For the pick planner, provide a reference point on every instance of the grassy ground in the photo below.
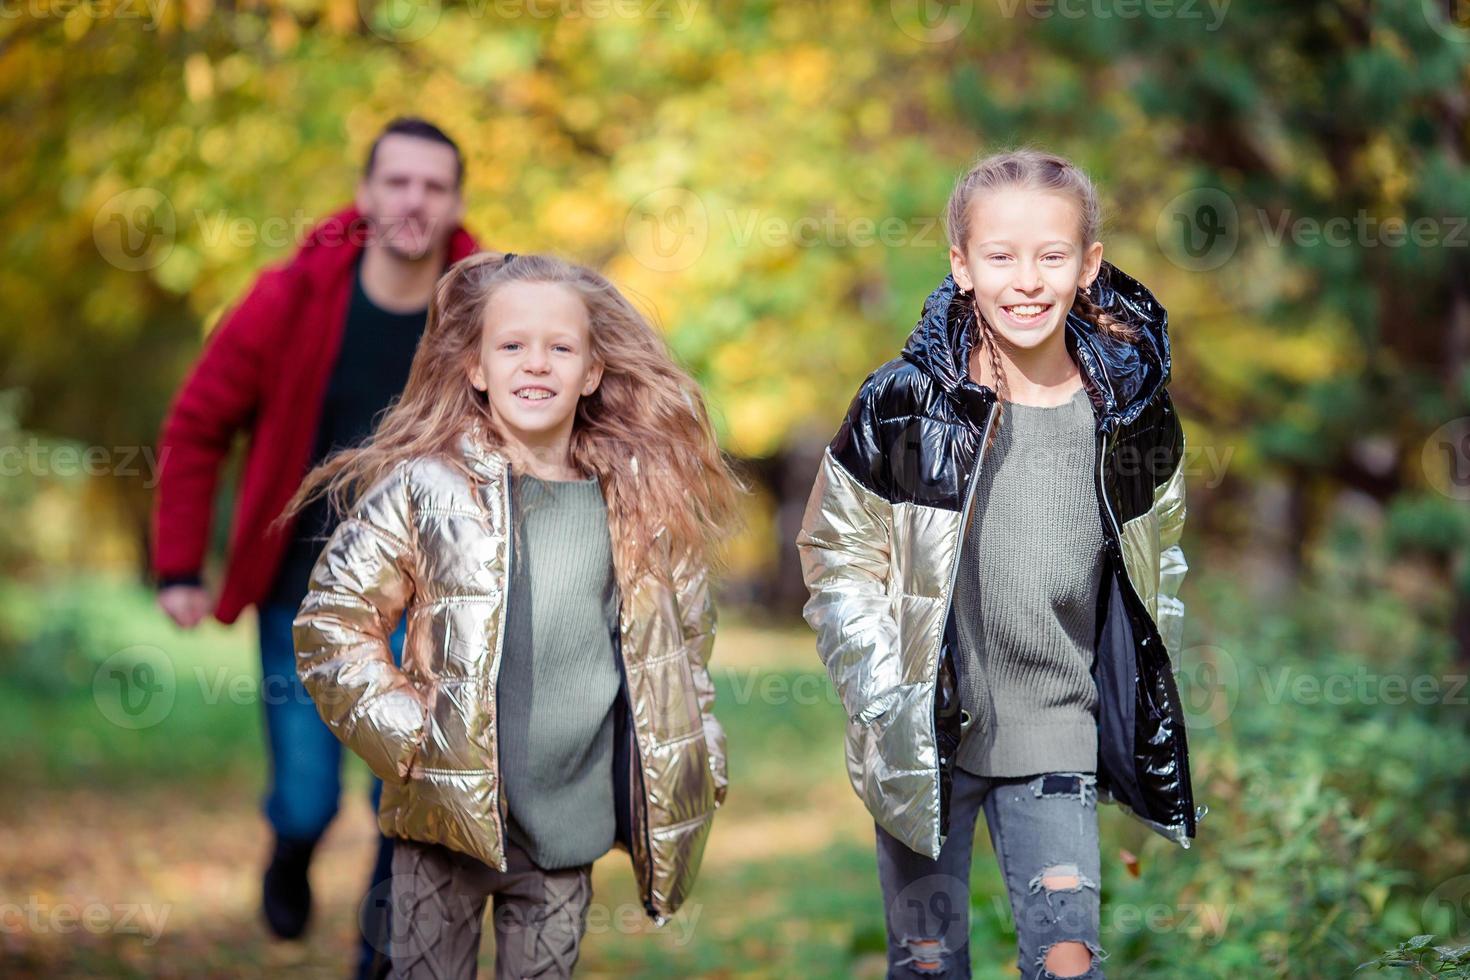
(134, 842)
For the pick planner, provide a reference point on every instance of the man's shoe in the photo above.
(286, 890)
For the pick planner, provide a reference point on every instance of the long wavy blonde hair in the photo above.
(1028, 168)
(645, 433)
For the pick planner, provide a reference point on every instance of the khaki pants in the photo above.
(439, 898)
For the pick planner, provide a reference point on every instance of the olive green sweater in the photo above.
(559, 679)
(1026, 596)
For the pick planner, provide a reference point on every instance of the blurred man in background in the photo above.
(318, 347)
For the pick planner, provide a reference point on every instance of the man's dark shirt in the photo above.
(371, 370)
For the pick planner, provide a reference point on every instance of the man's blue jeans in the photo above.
(306, 766)
(305, 757)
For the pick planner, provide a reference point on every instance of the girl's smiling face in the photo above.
(536, 362)
(1024, 262)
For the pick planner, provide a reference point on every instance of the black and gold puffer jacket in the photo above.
(433, 545)
(880, 546)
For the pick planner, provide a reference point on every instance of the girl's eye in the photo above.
(563, 347)
(509, 346)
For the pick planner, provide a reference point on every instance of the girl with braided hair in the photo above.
(992, 550)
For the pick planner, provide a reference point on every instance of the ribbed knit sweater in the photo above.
(1026, 596)
(559, 679)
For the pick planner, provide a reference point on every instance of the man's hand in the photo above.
(186, 605)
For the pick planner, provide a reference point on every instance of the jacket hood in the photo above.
(1124, 377)
(335, 242)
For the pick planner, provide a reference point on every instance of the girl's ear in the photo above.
(477, 377)
(594, 378)
(1091, 264)
(960, 270)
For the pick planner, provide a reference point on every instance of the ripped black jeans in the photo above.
(1044, 831)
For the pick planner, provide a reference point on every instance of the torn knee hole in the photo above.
(925, 955)
(1061, 878)
(1068, 958)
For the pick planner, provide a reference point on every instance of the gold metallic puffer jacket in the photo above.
(880, 544)
(429, 544)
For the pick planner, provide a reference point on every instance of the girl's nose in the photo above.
(1028, 279)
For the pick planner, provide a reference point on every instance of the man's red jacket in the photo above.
(265, 368)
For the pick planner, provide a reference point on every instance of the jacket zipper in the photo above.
(500, 663)
(954, 567)
(1103, 448)
(1102, 451)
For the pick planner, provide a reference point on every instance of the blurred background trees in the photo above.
(767, 180)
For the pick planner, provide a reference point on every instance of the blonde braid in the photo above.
(986, 334)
